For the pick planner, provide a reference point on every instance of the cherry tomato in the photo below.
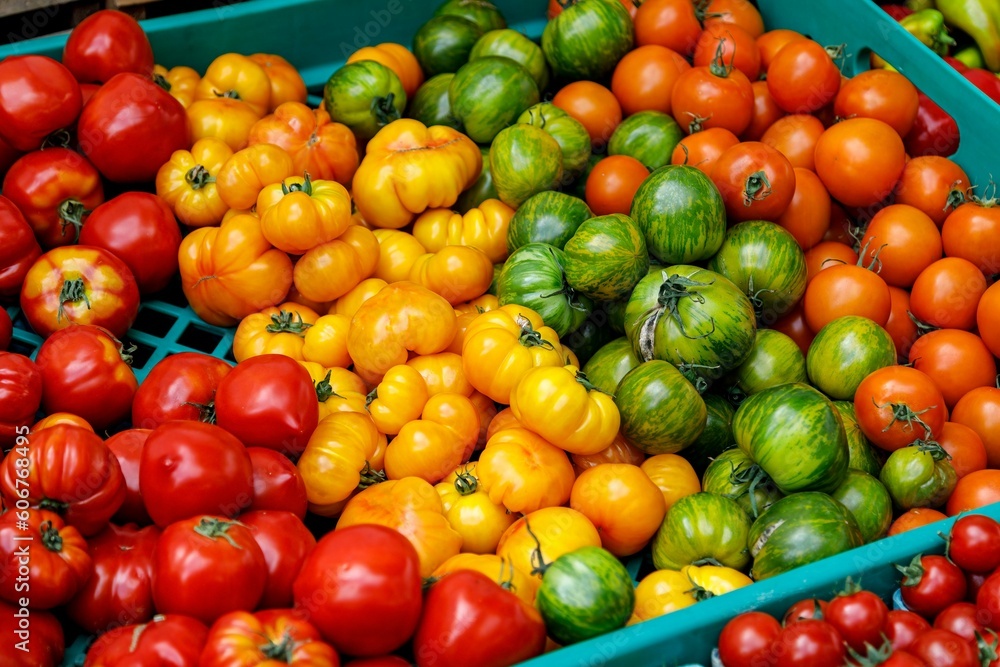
(964, 446)
(808, 643)
(20, 396)
(826, 255)
(670, 23)
(756, 182)
(846, 289)
(806, 609)
(181, 386)
(169, 640)
(972, 232)
(714, 96)
(594, 106)
(957, 361)
(859, 617)
(86, 372)
(902, 627)
(807, 216)
(361, 588)
(139, 228)
(975, 490)
(802, 77)
(795, 137)
(38, 97)
(902, 659)
(285, 542)
(703, 149)
(897, 405)
(18, 251)
(974, 543)
(127, 447)
(944, 649)
(915, 518)
(734, 45)
(765, 112)
(196, 562)
(980, 411)
(931, 584)
(747, 639)
(961, 619)
(612, 184)
(905, 240)
(860, 160)
(277, 484)
(644, 78)
(268, 401)
(190, 468)
(106, 43)
(880, 94)
(946, 294)
(935, 185)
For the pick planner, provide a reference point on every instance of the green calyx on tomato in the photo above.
(288, 322)
(72, 291)
(198, 177)
(214, 528)
(72, 212)
(51, 539)
(673, 289)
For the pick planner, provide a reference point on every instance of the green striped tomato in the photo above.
(512, 44)
(717, 436)
(606, 257)
(795, 434)
(800, 529)
(845, 352)
(587, 39)
(732, 474)
(590, 336)
(863, 456)
(868, 501)
(442, 45)
(608, 365)
(431, 104)
(661, 412)
(481, 12)
(488, 94)
(699, 526)
(547, 217)
(919, 475)
(648, 136)
(525, 161)
(583, 594)
(767, 263)
(533, 277)
(680, 211)
(774, 360)
(365, 96)
(569, 133)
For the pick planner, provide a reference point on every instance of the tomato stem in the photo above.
(913, 572)
(51, 539)
(214, 528)
(538, 564)
(903, 412)
(956, 197)
(466, 483)
(718, 67)
(57, 506)
(699, 381)
(72, 291)
(937, 452)
(324, 390)
(384, 110)
(305, 186)
(72, 212)
(756, 188)
(582, 378)
(288, 322)
(229, 94)
(58, 139)
(370, 477)
(529, 337)
(162, 82)
(198, 177)
(371, 397)
(697, 123)
(675, 288)
(283, 651)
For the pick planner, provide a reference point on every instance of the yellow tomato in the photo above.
(458, 273)
(554, 531)
(348, 304)
(619, 451)
(318, 306)
(398, 399)
(397, 251)
(334, 268)
(286, 82)
(479, 305)
(496, 568)
(487, 412)
(444, 437)
(251, 170)
(180, 81)
(277, 330)
(325, 341)
(470, 511)
(673, 475)
(187, 183)
(660, 593)
(298, 214)
(484, 228)
(708, 581)
(443, 373)
(221, 118)
(504, 419)
(235, 76)
(622, 502)
(524, 472)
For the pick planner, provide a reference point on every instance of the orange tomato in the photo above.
(703, 149)
(622, 502)
(917, 517)
(397, 58)
(827, 254)
(505, 419)
(612, 184)
(644, 78)
(975, 490)
(487, 410)
(980, 411)
(249, 171)
(349, 303)
(222, 118)
(934, 184)
(880, 94)
(443, 373)
(524, 472)
(765, 112)
(619, 451)
(756, 181)
(846, 289)
(807, 216)
(333, 269)
(972, 232)
(741, 13)
(803, 77)
(900, 327)
(905, 241)
(286, 82)
(946, 294)
(734, 45)
(772, 41)
(594, 106)
(957, 361)
(673, 475)
(433, 446)
(670, 23)
(713, 96)
(860, 160)
(456, 272)
(237, 77)
(496, 568)
(398, 251)
(795, 137)
(964, 446)
(988, 318)
(551, 532)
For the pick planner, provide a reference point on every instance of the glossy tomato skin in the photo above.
(38, 96)
(902, 627)
(958, 362)
(190, 468)
(470, 619)
(612, 184)
(975, 490)
(285, 542)
(931, 583)
(119, 592)
(934, 132)
(127, 112)
(962, 619)
(47, 643)
(19, 250)
(127, 447)
(241, 638)
(6, 329)
(361, 588)
(905, 387)
(944, 649)
(277, 484)
(59, 562)
(980, 411)
(746, 640)
(84, 373)
(974, 543)
(139, 228)
(20, 396)
(756, 181)
(106, 43)
(196, 563)
(169, 640)
(859, 618)
(268, 401)
(804, 610)
(181, 386)
(809, 643)
(802, 77)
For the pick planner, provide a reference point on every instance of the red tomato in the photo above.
(58, 564)
(957, 361)
(169, 640)
(670, 23)
(772, 41)
(470, 619)
(196, 563)
(57, 418)
(612, 183)
(860, 160)
(766, 112)
(988, 318)
(756, 182)
(793, 324)
(988, 601)
(181, 386)
(915, 518)
(106, 43)
(85, 372)
(746, 640)
(703, 149)
(735, 12)
(130, 127)
(38, 97)
(902, 627)
(594, 106)
(795, 137)
(190, 468)
(119, 592)
(974, 543)
(964, 446)
(826, 255)
(19, 250)
(808, 643)
(804, 610)
(713, 96)
(20, 396)
(846, 289)
(946, 294)
(6, 329)
(277, 484)
(380, 661)
(931, 584)
(880, 94)
(644, 78)
(41, 645)
(902, 659)
(975, 582)
(961, 619)
(897, 405)
(127, 447)
(902, 329)
(79, 285)
(980, 411)
(70, 471)
(140, 229)
(286, 543)
(941, 648)
(972, 232)
(807, 216)
(55, 189)
(935, 185)
(802, 77)
(361, 588)
(730, 43)
(268, 401)
(242, 638)
(859, 618)
(905, 240)
(8, 155)
(975, 490)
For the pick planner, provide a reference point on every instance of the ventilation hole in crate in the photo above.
(154, 322)
(141, 355)
(173, 294)
(199, 339)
